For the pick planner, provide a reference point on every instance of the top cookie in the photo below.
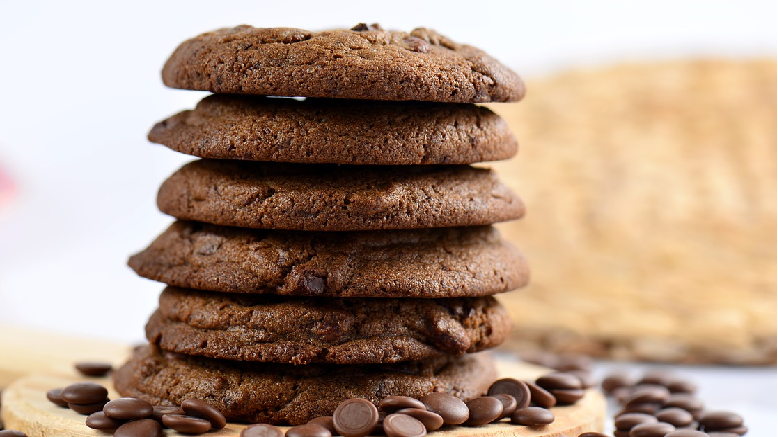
(365, 62)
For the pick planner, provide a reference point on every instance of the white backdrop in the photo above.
(81, 88)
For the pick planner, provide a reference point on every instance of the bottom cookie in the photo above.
(282, 393)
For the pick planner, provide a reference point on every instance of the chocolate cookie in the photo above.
(332, 131)
(302, 330)
(365, 62)
(429, 263)
(336, 198)
(284, 393)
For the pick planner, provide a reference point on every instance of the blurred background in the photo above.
(78, 179)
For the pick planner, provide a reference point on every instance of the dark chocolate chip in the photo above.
(263, 430)
(681, 386)
(390, 404)
(648, 394)
(540, 396)
(308, 430)
(568, 362)
(402, 425)
(325, 421)
(514, 387)
(431, 421)
(128, 409)
(87, 409)
(140, 428)
(567, 396)
(509, 404)
(720, 421)
(592, 434)
(651, 430)
(355, 417)
(532, 416)
(186, 424)
(559, 380)
(641, 408)
(204, 410)
(616, 380)
(99, 420)
(483, 410)
(449, 407)
(84, 393)
(625, 422)
(55, 396)
(161, 410)
(674, 416)
(93, 368)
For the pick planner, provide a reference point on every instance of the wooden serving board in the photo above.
(25, 408)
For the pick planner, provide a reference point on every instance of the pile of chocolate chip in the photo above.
(402, 416)
(661, 404)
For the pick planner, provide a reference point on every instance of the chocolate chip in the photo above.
(509, 404)
(93, 368)
(651, 430)
(656, 377)
(720, 421)
(449, 407)
(263, 430)
(355, 417)
(325, 421)
(483, 410)
(186, 424)
(87, 409)
(641, 408)
(390, 404)
(55, 396)
(567, 396)
(540, 358)
(308, 430)
(514, 387)
(622, 394)
(686, 433)
(681, 386)
(592, 434)
(140, 428)
(99, 420)
(161, 410)
(84, 393)
(540, 396)
(204, 410)
(739, 430)
(587, 380)
(532, 416)
(625, 422)
(619, 433)
(128, 409)
(648, 394)
(615, 381)
(431, 421)
(578, 362)
(402, 425)
(559, 380)
(684, 402)
(674, 416)
(12, 433)
(361, 27)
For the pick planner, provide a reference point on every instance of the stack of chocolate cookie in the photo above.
(333, 247)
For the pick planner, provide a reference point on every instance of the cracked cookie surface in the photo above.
(336, 131)
(365, 62)
(429, 263)
(336, 198)
(301, 330)
(284, 393)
